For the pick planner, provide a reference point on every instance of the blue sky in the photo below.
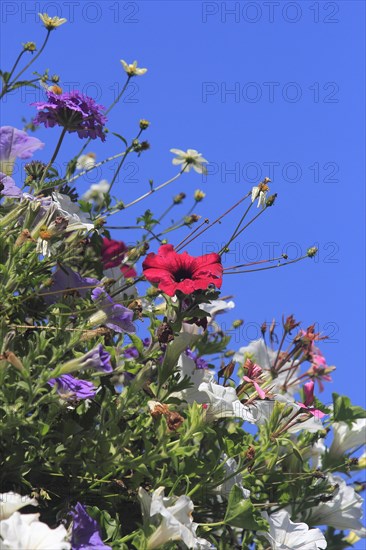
(260, 89)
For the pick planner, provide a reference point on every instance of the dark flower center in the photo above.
(182, 274)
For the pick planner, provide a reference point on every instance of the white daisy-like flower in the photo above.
(190, 159)
(257, 193)
(86, 162)
(347, 438)
(285, 535)
(132, 69)
(174, 520)
(96, 192)
(51, 22)
(11, 502)
(25, 532)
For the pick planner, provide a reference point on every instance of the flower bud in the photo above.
(238, 323)
(193, 218)
(199, 195)
(144, 124)
(165, 333)
(271, 200)
(29, 46)
(311, 252)
(179, 198)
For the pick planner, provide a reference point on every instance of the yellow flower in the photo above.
(51, 22)
(199, 195)
(132, 69)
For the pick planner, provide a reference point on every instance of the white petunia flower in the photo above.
(346, 439)
(25, 532)
(285, 535)
(344, 511)
(232, 478)
(11, 502)
(222, 402)
(132, 69)
(71, 211)
(175, 522)
(187, 368)
(86, 162)
(315, 454)
(191, 158)
(217, 306)
(265, 357)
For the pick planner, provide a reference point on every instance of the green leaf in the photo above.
(241, 513)
(120, 137)
(344, 411)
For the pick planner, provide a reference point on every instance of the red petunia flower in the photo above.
(173, 271)
(113, 253)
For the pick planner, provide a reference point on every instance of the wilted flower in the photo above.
(71, 211)
(173, 271)
(260, 193)
(132, 69)
(11, 502)
(85, 531)
(8, 187)
(74, 111)
(284, 534)
(15, 144)
(51, 23)
(174, 517)
(309, 400)
(25, 532)
(70, 387)
(190, 159)
(114, 316)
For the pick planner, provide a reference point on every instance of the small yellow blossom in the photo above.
(199, 195)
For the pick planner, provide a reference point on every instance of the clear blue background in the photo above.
(296, 73)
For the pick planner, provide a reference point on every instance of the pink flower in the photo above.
(319, 370)
(309, 400)
(253, 373)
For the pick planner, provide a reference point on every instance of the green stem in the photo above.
(128, 150)
(32, 60)
(64, 130)
(6, 84)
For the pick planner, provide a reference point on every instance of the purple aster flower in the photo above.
(66, 281)
(131, 353)
(74, 111)
(8, 187)
(200, 362)
(14, 144)
(114, 316)
(70, 387)
(85, 531)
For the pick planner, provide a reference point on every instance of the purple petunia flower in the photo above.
(66, 281)
(85, 531)
(114, 316)
(131, 353)
(97, 358)
(8, 187)
(70, 387)
(74, 111)
(200, 362)
(14, 144)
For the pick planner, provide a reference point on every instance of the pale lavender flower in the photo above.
(70, 387)
(8, 187)
(114, 316)
(66, 281)
(97, 358)
(73, 111)
(14, 144)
